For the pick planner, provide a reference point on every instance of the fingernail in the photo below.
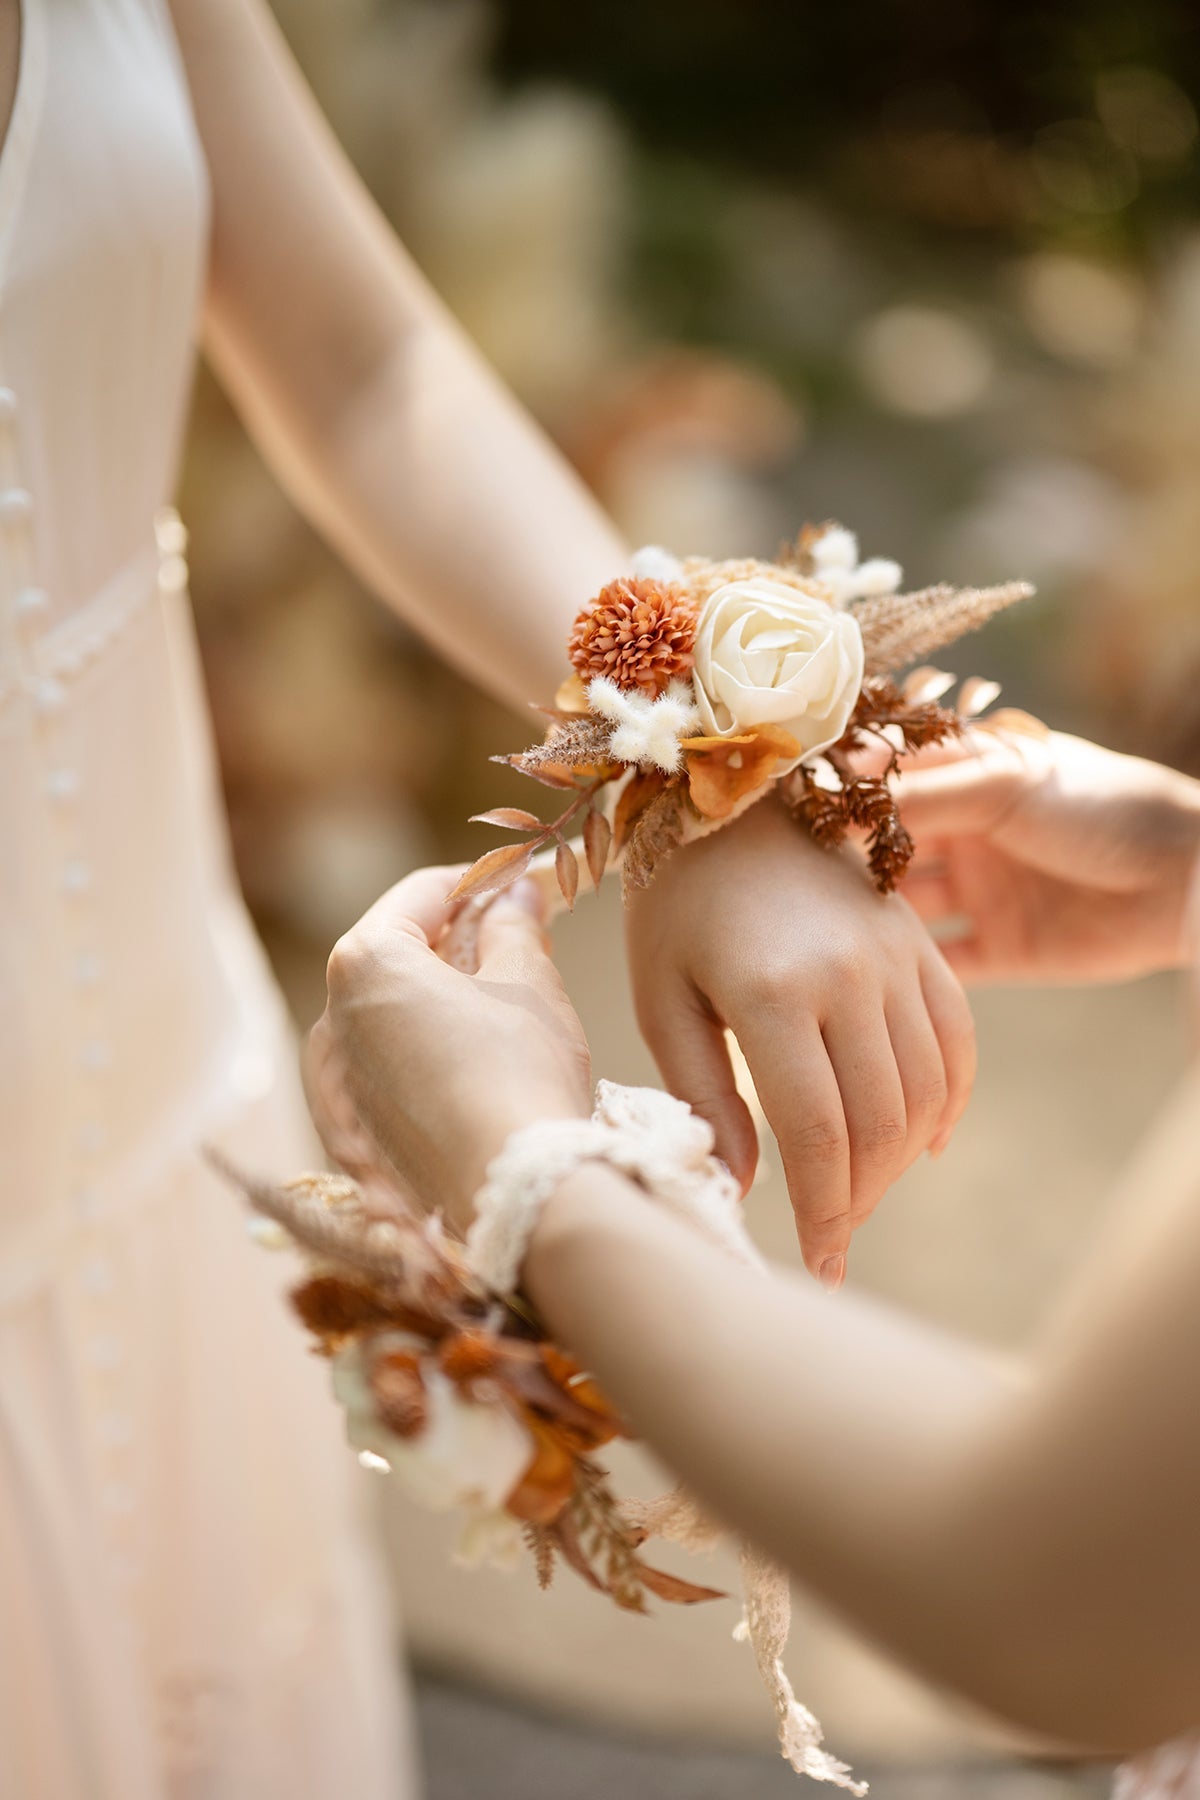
(832, 1273)
(939, 1143)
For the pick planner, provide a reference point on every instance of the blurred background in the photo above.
(933, 269)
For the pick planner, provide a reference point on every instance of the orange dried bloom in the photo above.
(468, 1354)
(638, 633)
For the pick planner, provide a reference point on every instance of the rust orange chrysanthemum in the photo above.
(639, 633)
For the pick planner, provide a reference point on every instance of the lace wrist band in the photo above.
(652, 1138)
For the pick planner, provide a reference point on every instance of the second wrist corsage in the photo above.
(696, 687)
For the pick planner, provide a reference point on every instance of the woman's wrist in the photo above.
(594, 1202)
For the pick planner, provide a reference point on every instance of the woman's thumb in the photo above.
(512, 930)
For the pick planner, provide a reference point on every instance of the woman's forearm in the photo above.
(448, 501)
(946, 1510)
(379, 416)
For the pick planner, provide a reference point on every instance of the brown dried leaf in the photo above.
(551, 775)
(496, 869)
(597, 840)
(509, 818)
(927, 684)
(566, 868)
(566, 1538)
(674, 1588)
(976, 695)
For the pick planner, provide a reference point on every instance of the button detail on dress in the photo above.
(91, 1138)
(96, 1275)
(170, 533)
(86, 1203)
(8, 406)
(89, 968)
(62, 784)
(49, 695)
(105, 1352)
(96, 1054)
(76, 876)
(115, 1429)
(32, 600)
(16, 505)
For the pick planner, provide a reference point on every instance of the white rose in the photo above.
(769, 654)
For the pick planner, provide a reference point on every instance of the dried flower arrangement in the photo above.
(697, 686)
(448, 1382)
(461, 1396)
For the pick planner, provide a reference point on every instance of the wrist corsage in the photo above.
(450, 1384)
(696, 687)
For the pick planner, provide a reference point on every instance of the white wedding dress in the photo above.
(187, 1609)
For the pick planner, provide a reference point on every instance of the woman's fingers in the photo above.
(803, 1105)
(873, 1097)
(690, 1049)
(343, 1134)
(922, 1068)
(951, 1019)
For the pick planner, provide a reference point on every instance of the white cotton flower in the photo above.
(878, 575)
(645, 731)
(836, 564)
(653, 563)
(837, 548)
(770, 654)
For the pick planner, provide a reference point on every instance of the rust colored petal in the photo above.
(549, 1481)
(720, 776)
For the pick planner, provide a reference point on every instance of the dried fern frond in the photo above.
(326, 1214)
(571, 744)
(542, 1545)
(655, 833)
(900, 629)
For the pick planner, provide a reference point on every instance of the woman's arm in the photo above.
(371, 405)
(399, 443)
(1032, 1546)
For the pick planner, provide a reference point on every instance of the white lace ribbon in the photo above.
(660, 1143)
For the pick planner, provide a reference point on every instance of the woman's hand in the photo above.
(858, 1037)
(1064, 861)
(440, 1067)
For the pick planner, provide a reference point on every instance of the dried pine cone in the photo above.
(638, 633)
